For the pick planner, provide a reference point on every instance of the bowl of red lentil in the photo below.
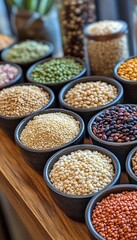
(75, 174)
(115, 129)
(6, 41)
(42, 134)
(126, 73)
(20, 101)
(131, 165)
(89, 95)
(112, 214)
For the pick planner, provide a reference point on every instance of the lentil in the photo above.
(7, 73)
(115, 217)
(56, 70)
(128, 69)
(22, 100)
(134, 163)
(49, 131)
(91, 94)
(117, 124)
(27, 51)
(5, 41)
(82, 172)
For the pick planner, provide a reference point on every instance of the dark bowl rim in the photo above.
(9, 35)
(20, 73)
(123, 80)
(46, 111)
(31, 68)
(47, 89)
(91, 134)
(70, 149)
(94, 200)
(128, 164)
(51, 49)
(70, 85)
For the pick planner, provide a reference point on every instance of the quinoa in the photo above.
(134, 163)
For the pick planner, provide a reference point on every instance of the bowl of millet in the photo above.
(131, 165)
(20, 101)
(126, 73)
(75, 174)
(42, 134)
(112, 214)
(89, 95)
(115, 128)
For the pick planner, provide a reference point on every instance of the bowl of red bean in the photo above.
(126, 73)
(75, 174)
(10, 74)
(115, 128)
(112, 214)
(131, 165)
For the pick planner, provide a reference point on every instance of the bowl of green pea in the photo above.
(56, 72)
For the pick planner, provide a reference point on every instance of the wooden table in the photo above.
(28, 194)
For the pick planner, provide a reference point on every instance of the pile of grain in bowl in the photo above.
(22, 100)
(134, 163)
(82, 172)
(5, 41)
(49, 130)
(91, 94)
(128, 69)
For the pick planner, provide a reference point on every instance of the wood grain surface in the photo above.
(27, 192)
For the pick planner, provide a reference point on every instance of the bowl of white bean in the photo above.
(75, 174)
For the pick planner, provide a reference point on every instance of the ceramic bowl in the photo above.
(131, 175)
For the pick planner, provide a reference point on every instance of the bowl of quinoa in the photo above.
(131, 165)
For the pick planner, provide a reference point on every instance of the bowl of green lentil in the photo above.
(126, 73)
(89, 95)
(131, 165)
(111, 214)
(75, 174)
(41, 135)
(56, 72)
(20, 101)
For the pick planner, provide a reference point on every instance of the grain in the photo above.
(134, 163)
(5, 41)
(128, 69)
(8, 73)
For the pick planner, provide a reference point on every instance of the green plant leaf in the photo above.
(31, 5)
(45, 6)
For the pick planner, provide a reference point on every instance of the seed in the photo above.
(7, 73)
(49, 131)
(128, 69)
(22, 100)
(5, 41)
(134, 163)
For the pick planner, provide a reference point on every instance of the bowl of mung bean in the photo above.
(89, 95)
(131, 165)
(56, 72)
(111, 214)
(75, 174)
(6, 41)
(126, 73)
(20, 101)
(115, 129)
(41, 135)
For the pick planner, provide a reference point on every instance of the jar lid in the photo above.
(108, 36)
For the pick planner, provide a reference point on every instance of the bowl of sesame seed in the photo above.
(77, 173)
(42, 134)
(131, 165)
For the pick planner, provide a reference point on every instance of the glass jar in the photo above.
(74, 15)
(107, 44)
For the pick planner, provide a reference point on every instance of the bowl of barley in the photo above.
(131, 165)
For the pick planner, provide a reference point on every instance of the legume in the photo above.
(49, 131)
(5, 41)
(91, 94)
(56, 70)
(27, 51)
(22, 100)
(117, 124)
(128, 69)
(115, 217)
(82, 172)
(134, 163)
(7, 73)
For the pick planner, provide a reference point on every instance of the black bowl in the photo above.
(38, 158)
(130, 86)
(131, 175)
(98, 198)
(85, 113)
(56, 86)
(74, 205)
(119, 149)
(8, 124)
(14, 41)
(26, 65)
(17, 80)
